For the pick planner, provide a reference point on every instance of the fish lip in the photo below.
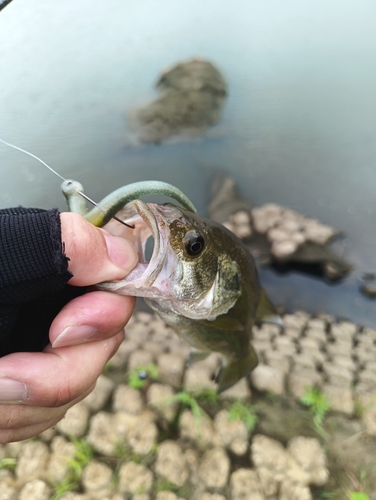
(141, 276)
(150, 217)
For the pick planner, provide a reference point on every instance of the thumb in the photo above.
(94, 254)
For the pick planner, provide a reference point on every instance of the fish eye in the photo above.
(194, 244)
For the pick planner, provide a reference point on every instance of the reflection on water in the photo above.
(298, 127)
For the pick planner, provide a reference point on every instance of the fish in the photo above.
(200, 279)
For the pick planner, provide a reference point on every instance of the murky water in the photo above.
(299, 126)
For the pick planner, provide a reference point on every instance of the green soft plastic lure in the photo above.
(106, 209)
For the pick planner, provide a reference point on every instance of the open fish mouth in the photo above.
(147, 279)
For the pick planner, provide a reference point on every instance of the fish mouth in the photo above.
(148, 222)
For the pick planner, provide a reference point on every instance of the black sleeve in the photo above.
(33, 277)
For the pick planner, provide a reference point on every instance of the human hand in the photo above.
(36, 389)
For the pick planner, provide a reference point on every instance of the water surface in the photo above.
(299, 126)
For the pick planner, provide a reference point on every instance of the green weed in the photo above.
(83, 456)
(186, 399)
(166, 485)
(66, 485)
(8, 463)
(358, 485)
(209, 396)
(125, 453)
(319, 407)
(352, 495)
(245, 412)
(358, 496)
(138, 378)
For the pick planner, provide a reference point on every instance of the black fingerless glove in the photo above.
(33, 277)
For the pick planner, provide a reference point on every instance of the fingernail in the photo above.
(121, 252)
(74, 335)
(12, 391)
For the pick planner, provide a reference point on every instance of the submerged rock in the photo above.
(277, 235)
(369, 290)
(226, 201)
(193, 94)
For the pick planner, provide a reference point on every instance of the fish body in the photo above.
(201, 280)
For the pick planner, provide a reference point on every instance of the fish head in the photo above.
(190, 271)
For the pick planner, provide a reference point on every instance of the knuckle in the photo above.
(64, 395)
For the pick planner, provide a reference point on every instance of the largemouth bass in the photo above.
(201, 280)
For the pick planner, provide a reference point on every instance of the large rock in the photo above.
(167, 495)
(369, 419)
(268, 483)
(120, 358)
(269, 454)
(32, 461)
(291, 490)
(240, 390)
(35, 490)
(309, 455)
(127, 399)
(299, 380)
(102, 434)
(233, 434)
(340, 398)
(109, 431)
(245, 485)
(63, 453)
(159, 397)
(267, 378)
(192, 96)
(134, 478)
(8, 492)
(142, 436)
(171, 463)
(97, 480)
(76, 420)
(139, 359)
(98, 397)
(198, 430)
(171, 368)
(277, 360)
(211, 496)
(215, 468)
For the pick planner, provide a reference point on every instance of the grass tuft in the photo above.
(245, 412)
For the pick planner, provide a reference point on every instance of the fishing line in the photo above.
(36, 157)
(61, 177)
